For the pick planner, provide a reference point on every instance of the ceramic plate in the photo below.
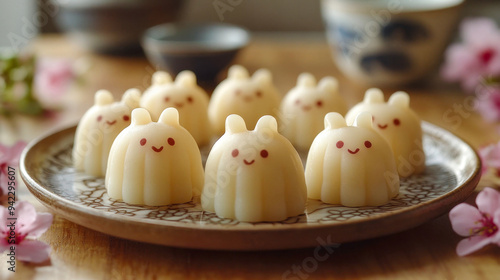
(452, 172)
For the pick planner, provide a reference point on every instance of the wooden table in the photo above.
(425, 252)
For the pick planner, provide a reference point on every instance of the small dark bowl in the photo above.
(205, 49)
(114, 26)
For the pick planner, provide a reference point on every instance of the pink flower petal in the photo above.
(474, 30)
(488, 201)
(459, 60)
(494, 65)
(490, 155)
(488, 105)
(4, 246)
(26, 215)
(32, 251)
(4, 214)
(10, 155)
(463, 218)
(52, 79)
(39, 226)
(471, 244)
(496, 220)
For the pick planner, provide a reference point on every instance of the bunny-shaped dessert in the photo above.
(99, 127)
(254, 176)
(398, 124)
(304, 108)
(154, 163)
(351, 165)
(186, 96)
(249, 97)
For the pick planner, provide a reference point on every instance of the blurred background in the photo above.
(256, 15)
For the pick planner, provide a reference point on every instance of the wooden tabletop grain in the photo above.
(425, 252)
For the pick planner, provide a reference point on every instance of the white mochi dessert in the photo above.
(398, 124)
(351, 165)
(99, 127)
(186, 96)
(250, 97)
(304, 108)
(154, 163)
(254, 176)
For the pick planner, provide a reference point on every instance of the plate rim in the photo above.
(61, 205)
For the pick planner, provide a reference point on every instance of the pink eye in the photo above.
(258, 93)
(264, 153)
(190, 99)
(143, 141)
(297, 102)
(126, 118)
(368, 144)
(167, 99)
(171, 141)
(340, 144)
(396, 122)
(99, 118)
(235, 153)
(319, 103)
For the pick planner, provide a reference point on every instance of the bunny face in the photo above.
(154, 163)
(249, 97)
(358, 141)
(305, 106)
(399, 126)
(351, 165)
(186, 96)
(253, 175)
(98, 128)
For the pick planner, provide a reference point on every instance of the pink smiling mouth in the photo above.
(179, 105)
(248, 163)
(247, 99)
(306, 108)
(111, 123)
(355, 151)
(382, 126)
(157, 149)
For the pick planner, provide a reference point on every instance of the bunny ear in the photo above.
(400, 99)
(266, 123)
(237, 72)
(103, 97)
(334, 120)
(140, 116)
(364, 119)
(373, 95)
(132, 98)
(306, 80)
(235, 124)
(329, 84)
(161, 77)
(186, 78)
(169, 116)
(263, 76)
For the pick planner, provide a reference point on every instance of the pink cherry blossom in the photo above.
(480, 225)
(28, 225)
(477, 57)
(9, 157)
(488, 102)
(490, 157)
(52, 79)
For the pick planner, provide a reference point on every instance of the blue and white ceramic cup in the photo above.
(389, 42)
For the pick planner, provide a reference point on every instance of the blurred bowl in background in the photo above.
(205, 49)
(113, 26)
(387, 42)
